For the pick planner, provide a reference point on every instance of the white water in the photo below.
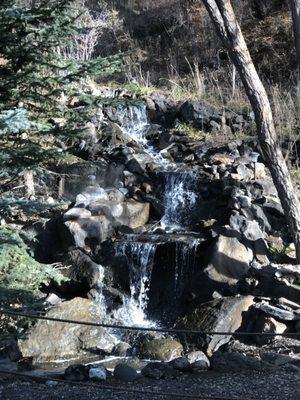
(134, 122)
(179, 199)
(140, 258)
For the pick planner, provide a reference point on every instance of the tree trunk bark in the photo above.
(229, 31)
(295, 8)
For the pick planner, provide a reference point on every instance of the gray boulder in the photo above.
(49, 341)
(125, 373)
(198, 360)
(164, 349)
(220, 315)
(159, 370)
(230, 261)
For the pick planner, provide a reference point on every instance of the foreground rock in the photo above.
(165, 349)
(125, 373)
(49, 341)
(221, 315)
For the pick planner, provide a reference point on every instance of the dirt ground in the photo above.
(279, 385)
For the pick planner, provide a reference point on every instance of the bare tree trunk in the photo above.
(295, 8)
(29, 184)
(229, 31)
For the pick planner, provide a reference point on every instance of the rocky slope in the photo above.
(167, 229)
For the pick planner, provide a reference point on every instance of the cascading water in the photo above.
(179, 199)
(185, 262)
(133, 120)
(140, 258)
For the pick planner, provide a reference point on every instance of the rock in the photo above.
(96, 228)
(116, 195)
(243, 173)
(278, 312)
(198, 360)
(125, 373)
(165, 349)
(97, 374)
(223, 315)
(91, 194)
(268, 325)
(82, 273)
(159, 370)
(181, 364)
(278, 359)
(230, 261)
(252, 231)
(121, 349)
(77, 373)
(76, 213)
(260, 171)
(234, 362)
(261, 251)
(57, 340)
(196, 113)
(136, 214)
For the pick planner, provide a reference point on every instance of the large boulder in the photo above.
(96, 228)
(49, 340)
(230, 261)
(164, 349)
(220, 315)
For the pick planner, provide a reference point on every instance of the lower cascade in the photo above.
(140, 259)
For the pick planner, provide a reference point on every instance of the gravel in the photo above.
(275, 385)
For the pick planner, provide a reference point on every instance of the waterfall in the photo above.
(179, 198)
(134, 121)
(185, 262)
(140, 258)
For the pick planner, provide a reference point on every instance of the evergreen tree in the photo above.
(34, 80)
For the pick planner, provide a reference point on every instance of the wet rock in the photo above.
(223, 315)
(125, 373)
(159, 370)
(234, 362)
(230, 261)
(56, 340)
(278, 311)
(198, 360)
(121, 349)
(77, 373)
(165, 349)
(181, 364)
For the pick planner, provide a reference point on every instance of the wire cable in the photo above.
(144, 329)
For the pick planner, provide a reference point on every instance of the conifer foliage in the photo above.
(35, 80)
